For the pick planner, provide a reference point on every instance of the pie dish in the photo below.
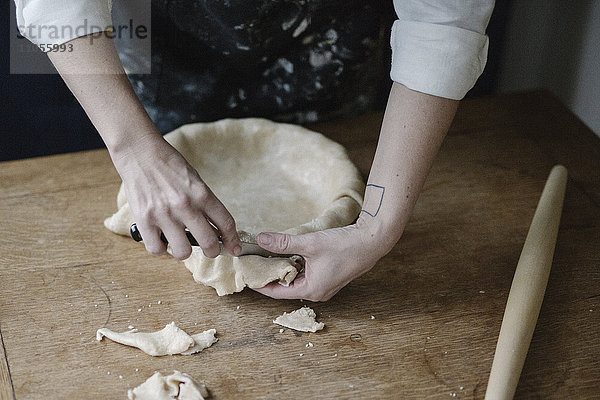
(272, 177)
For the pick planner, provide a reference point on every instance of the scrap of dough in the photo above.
(169, 340)
(302, 319)
(178, 386)
(201, 341)
(272, 177)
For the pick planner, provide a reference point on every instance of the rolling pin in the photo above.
(527, 289)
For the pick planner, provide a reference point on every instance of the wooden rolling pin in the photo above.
(527, 289)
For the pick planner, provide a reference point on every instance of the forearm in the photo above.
(165, 193)
(95, 75)
(414, 126)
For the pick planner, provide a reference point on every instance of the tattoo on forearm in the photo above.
(373, 199)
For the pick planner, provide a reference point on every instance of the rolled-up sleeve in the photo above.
(58, 21)
(440, 47)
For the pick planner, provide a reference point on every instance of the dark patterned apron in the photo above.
(295, 61)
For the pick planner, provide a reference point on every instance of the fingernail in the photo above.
(265, 238)
(237, 250)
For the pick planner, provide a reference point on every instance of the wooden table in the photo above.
(437, 299)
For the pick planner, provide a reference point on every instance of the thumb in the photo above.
(283, 243)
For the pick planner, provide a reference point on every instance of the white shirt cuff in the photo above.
(440, 60)
(57, 22)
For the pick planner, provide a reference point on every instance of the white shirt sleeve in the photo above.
(439, 47)
(58, 21)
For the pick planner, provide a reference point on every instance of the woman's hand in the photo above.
(414, 125)
(167, 195)
(333, 258)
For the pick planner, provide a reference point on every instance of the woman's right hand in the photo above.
(167, 195)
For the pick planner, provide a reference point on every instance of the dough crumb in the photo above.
(177, 386)
(372, 317)
(303, 319)
(170, 340)
(281, 330)
(159, 302)
(309, 344)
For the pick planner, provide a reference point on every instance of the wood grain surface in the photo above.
(437, 298)
(6, 389)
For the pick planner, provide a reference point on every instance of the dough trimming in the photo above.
(303, 319)
(168, 341)
(177, 386)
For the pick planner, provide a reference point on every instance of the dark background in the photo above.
(39, 115)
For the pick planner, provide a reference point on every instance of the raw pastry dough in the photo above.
(169, 340)
(201, 341)
(303, 319)
(178, 385)
(231, 274)
(271, 177)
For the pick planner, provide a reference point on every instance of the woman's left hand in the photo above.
(333, 258)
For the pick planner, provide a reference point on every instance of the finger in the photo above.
(283, 243)
(222, 219)
(151, 236)
(180, 245)
(205, 235)
(295, 290)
